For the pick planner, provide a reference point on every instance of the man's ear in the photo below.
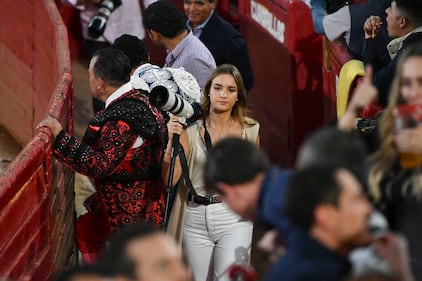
(154, 35)
(223, 187)
(99, 84)
(404, 22)
(325, 215)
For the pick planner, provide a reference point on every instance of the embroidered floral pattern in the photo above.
(127, 178)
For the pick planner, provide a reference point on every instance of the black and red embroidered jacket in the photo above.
(122, 150)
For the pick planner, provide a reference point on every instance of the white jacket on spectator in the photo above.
(127, 18)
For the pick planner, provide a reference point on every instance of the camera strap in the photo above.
(207, 137)
(185, 171)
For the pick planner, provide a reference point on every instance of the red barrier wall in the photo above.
(36, 193)
(286, 58)
(335, 55)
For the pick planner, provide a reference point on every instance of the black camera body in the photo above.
(98, 23)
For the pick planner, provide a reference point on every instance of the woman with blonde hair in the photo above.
(397, 188)
(214, 237)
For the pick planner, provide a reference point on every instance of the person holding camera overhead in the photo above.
(214, 237)
(103, 21)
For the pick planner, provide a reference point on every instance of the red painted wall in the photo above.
(36, 193)
(335, 55)
(287, 97)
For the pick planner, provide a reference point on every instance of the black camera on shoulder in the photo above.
(97, 25)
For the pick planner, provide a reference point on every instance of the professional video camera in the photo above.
(170, 89)
(160, 97)
(97, 25)
(173, 90)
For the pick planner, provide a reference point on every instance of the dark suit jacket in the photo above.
(358, 14)
(384, 75)
(227, 45)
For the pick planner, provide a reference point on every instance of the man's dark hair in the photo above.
(164, 18)
(133, 47)
(112, 66)
(91, 270)
(334, 147)
(412, 10)
(233, 161)
(115, 256)
(308, 188)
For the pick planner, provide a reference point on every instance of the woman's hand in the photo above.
(174, 126)
(409, 139)
(53, 124)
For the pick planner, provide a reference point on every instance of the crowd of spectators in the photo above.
(348, 210)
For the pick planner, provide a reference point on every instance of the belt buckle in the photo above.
(212, 199)
(204, 200)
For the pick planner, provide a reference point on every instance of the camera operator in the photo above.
(210, 251)
(116, 17)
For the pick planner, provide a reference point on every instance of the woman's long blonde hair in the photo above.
(384, 158)
(240, 109)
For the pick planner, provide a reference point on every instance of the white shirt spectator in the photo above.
(127, 18)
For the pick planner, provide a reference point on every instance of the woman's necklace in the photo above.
(224, 131)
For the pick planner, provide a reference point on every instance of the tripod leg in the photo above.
(169, 188)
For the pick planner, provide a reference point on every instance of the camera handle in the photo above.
(169, 193)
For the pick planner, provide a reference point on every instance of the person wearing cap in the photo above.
(214, 237)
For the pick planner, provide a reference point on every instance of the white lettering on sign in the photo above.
(267, 20)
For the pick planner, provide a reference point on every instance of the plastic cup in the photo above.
(408, 116)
